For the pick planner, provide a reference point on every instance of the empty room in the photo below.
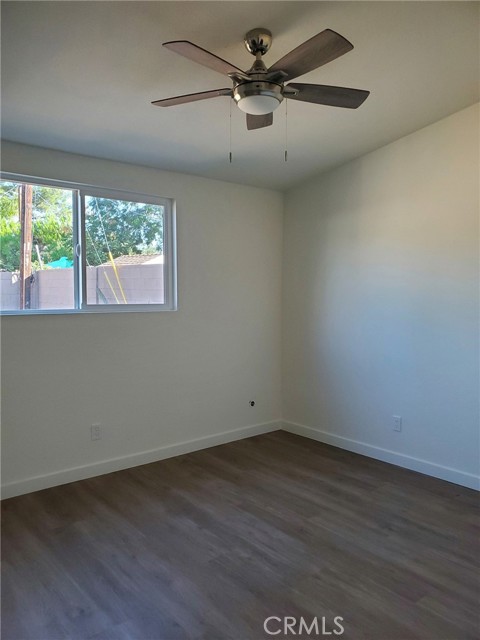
(239, 299)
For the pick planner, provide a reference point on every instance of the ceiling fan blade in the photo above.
(322, 48)
(325, 94)
(258, 122)
(202, 56)
(192, 97)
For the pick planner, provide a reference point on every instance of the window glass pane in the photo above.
(36, 247)
(124, 251)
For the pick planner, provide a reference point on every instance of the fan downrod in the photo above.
(258, 41)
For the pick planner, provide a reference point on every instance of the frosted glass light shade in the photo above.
(258, 105)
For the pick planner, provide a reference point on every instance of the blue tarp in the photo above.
(62, 263)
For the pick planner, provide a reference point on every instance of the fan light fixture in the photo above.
(258, 105)
(257, 98)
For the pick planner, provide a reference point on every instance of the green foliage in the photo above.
(126, 228)
(9, 227)
(10, 244)
(51, 225)
(53, 236)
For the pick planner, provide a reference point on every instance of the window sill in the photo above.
(140, 308)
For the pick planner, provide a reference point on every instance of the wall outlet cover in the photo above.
(397, 423)
(95, 432)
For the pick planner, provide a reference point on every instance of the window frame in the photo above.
(80, 192)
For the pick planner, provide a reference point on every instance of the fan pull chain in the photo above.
(286, 131)
(230, 157)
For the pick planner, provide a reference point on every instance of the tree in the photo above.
(52, 225)
(123, 227)
(9, 227)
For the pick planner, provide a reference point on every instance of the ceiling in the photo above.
(80, 76)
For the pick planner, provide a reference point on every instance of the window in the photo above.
(69, 248)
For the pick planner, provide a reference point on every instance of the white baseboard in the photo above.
(64, 476)
(400, 459)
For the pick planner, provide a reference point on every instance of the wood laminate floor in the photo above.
(209, 544)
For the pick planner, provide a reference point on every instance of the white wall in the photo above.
(152, 380)
(381, 302)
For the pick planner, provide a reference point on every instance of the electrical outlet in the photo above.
(95, 432)
(397, 423)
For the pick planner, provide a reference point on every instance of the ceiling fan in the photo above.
(259, 91)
